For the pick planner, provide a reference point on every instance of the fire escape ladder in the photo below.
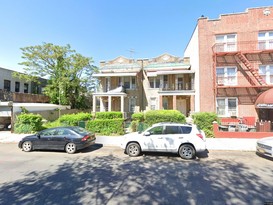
(254, 77)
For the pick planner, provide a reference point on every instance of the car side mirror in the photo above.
(147, 134)
(38, 135)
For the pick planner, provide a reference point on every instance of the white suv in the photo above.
(184, 139)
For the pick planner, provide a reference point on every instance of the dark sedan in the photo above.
(69, 139)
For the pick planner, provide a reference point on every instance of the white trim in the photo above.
(113, 74)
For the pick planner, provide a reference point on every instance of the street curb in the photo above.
(239, 144)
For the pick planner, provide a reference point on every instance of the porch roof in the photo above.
(168, 72)
(114, 74)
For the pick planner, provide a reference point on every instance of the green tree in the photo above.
(69, 73)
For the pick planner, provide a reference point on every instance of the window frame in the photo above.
(226, 78)
(228, 112)
(132, 104)
(267, 73)
(7, 85)
(17, 87)
(266, 41)
(26, 88)
(224, 44)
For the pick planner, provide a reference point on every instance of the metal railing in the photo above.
(242, 46)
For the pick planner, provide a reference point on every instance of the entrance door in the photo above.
(182, 106)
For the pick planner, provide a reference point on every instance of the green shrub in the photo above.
(73, 119)
(106, 127)
(55, 123)
(28, 123)
(204, 121)
(23, 128)
(139, 116)
(134, 125)
(108, 115)
(156, 116)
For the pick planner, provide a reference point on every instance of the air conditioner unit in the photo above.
(232, 113)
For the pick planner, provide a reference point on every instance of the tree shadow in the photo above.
(141, 180)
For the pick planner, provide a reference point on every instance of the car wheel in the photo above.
(27, 146)
(70, 148)
(133, 149)
(187, 151)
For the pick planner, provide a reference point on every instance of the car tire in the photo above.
(70, 148)
(187, 151)
(133, 149)
(27, 146)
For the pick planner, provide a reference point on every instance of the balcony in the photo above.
(241, 81)
(225, 53)
(23, 97)
(177, 88)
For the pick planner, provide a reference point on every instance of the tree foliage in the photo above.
(69, 73)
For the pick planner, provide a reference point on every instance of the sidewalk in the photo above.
(212, 143)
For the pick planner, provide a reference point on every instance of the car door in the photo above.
(182, 136)
(171, 137)
(153, 139)
(45, 139)
(59, 138)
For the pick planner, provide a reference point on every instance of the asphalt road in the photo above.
(105, 175)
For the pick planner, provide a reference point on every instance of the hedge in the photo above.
(28, 123)
(108, 115)
(106, 126)
(204, 121)
(156, 116)
(74, 119)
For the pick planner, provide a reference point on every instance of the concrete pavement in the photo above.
(212, 143)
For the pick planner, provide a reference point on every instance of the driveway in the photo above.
(104, 175)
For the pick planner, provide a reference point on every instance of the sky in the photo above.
(107, 29)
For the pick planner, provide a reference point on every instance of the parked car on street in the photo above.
(184, 139)
(265, 146)
(69, 139)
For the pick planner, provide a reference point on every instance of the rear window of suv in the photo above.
(186, 129)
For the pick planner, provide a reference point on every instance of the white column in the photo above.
(94, 104)
(101, 105)
(109, 103)
(122, 104)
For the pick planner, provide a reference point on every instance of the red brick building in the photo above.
(233, 61)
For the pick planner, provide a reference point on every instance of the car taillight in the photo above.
(201, 136)
(85, 138)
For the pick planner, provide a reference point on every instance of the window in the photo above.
(266, 72)
(265, 40)
(132, 104)
(173, 130)
(7, 85)
(107, 84)
(226, 42)
(186, 130)
(17, 87)
(165, 82)
(25, 87)
(154, 82)
(153, 103)
(227, 106)
(180, 83)
(226, 75)
(156, 130)
(129, 82)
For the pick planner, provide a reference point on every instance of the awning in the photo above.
(265, 100)
(168, 72)
(113, 74)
